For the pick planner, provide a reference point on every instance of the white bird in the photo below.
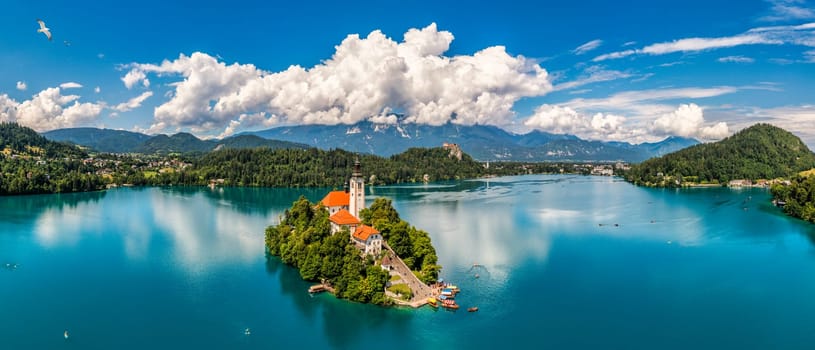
(43, 29)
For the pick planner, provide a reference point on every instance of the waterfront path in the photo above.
(420, 290)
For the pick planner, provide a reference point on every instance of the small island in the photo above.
(367, 255)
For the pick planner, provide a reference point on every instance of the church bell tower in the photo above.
(356, 188)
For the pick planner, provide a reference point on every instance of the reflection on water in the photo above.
(559, 257)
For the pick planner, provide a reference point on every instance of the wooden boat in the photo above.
(432, 302)
(449, 304)
(472, 309)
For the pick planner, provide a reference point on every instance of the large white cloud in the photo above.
(365, 78)
(565, 120)
(49, 109)
(688, 121)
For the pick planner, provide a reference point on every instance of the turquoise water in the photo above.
(168, 268)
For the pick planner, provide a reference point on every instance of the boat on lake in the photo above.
(472, 309)
(432, 302)
(449, 304)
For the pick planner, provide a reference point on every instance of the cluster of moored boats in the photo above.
(447, 298)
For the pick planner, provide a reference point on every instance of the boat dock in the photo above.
(319, 288)
(421, 291)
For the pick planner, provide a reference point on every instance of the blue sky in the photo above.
(627, 70)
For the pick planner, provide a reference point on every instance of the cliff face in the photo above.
(455, 150)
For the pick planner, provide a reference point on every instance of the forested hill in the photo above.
(319, 168)
(16, 139)
(29, 164)
(761, 151)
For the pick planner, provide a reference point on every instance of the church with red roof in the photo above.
(343, 210)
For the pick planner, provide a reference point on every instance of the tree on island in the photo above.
(408, 242)
(303, 240)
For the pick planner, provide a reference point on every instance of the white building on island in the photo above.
(368, 239)
(344, 207)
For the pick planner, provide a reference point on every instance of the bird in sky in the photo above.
(43, 29)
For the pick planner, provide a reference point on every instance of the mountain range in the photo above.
(482, 142)
(120, 141)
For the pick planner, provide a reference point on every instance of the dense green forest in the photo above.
(761, 151)
(31, 164)
(318, 168)
(798, 197)
(303, 240)
(16, 139)
(408, 242)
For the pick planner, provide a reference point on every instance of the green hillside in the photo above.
(252, 141)
(30, 164)
(318, 168)
(101, 140)
(761, 151)
(16, 139)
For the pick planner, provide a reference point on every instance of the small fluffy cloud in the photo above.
(736, 59)
(97, 90)
(49, 109)
(365, 78)
(688, 121)
(589, 46)
(133, 103)
(70, 85)
(22, 86)
(134, 77)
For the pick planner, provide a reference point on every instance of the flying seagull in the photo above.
(43, 29)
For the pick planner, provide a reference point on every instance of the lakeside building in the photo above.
(343, 210)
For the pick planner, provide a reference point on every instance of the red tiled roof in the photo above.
(336, 199)
(364, 231)
(343, 217)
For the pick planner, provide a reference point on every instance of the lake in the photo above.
(565, 262)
